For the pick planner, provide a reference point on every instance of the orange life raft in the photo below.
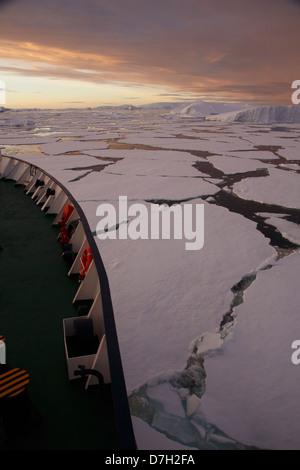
(64, 236)
(68, 210)
(86, 260)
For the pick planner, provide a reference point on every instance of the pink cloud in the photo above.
(238, 48)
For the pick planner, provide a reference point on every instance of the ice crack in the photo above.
(170, 403)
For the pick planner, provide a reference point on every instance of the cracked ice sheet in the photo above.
(58, 148)
(150, 134)
(108, 187)
(96, 135)
(272, 189)
(288, 230)
(255, 154)
(291, 152)
(26, 140)
(63, 167)
(252, 387)
(149, 439)
(232, 165)
(103, 186)
(152, 155)
(213, 146)
(290, 166)
(266, 138)
(157, 165)
(164, 296)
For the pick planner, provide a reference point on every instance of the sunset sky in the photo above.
(78, 53)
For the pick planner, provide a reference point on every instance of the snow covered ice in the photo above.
(252, 387)
(262, 114)
(205, 336)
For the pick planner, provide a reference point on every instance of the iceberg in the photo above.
(201, 108)
(261, 114)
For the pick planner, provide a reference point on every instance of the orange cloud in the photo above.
(243, 50)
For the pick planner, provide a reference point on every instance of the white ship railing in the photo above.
(52, 197)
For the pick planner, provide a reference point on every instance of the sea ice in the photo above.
(291, 152)
(253, 154)
(149, 438)
(59, 148)
(168, 397)
(166, 289)
(168, 301)
(232, 165)
(271, 189)
(261, 114)
(108, 187)
(252, 386)
(289, 230)
(216, 146)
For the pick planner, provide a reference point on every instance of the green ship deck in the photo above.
(35, 296)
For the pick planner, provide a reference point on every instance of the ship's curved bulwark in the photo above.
(93, 291)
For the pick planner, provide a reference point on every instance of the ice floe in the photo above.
(279, 187)
(252, 385)
(183, 291)
(231, 165)
(59, 148)
(288, 229)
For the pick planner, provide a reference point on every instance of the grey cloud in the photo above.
(184, 44)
